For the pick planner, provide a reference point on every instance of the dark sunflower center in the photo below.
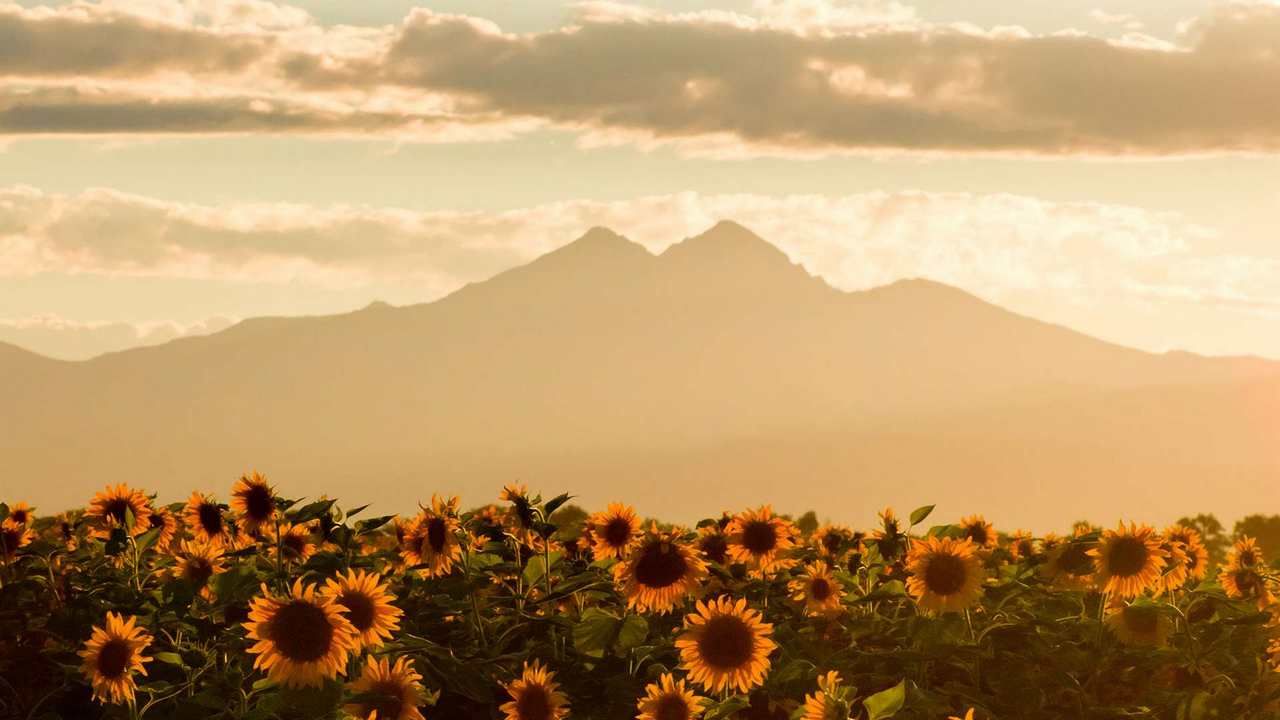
(832, 542)
(1193, 561)
(819, 589)
(210, 518)
(671, 707)
(1026, 548)
(726, 643)
(257, 502)
(198, 571)
(617, 532)
(113, 659)
(294, 544)
(388, 701)
(945, 574)
(301, 631)
(360, 609)
(1245, 582)
(1140, 620)
(714, 547)
(660, 565)
(759, 537)
(977, 533)
(437, 534)
(116, 509)
(1075, 560)
(1128, 556)
(534, 703)
(156, 520)
(20, 516)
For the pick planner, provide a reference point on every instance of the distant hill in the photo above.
(714, 375)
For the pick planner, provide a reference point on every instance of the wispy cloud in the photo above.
(58, 337)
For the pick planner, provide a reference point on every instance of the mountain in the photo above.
(714, 375)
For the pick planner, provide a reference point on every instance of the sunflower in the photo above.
(1139, 625)
(431, 539)
(1193, 546)
(828, 703)
(669, 699)
(519, 518)
(111, 655)
(1245, 583)
(1245, 553)
(64, 530)
(13, 537)
(206, 522)
(1067, 563)
(367, 604)
(946, 574)
(760, 539)
(977, 529)
(613, 530)
(389, 692)
(1022, 546)
(254, 500)
(535, 696)
(890, 540)
(198, 563)
(292, 543)
(713, 544)
(1128, 560)
(1175, 569)
(110, 509)
(818, 590)
(22, 513)
(968, 715)
(832, 540)
(660, 572)
(164, 520)
(725, 645)
(302, 639)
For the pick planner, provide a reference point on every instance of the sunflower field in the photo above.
(267, 607)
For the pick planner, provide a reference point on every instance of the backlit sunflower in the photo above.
(890, 540)
(669, 699)
(388, 692)
(1245, 553)
(367, 604)
(713, 544)
(291, 543)
(430, 541)
(254, 500)
(946, 574)
(110, 509)
(1067, 563)
(613, 530)
(1193, 546)
(1128, 560)
(828, 703)
(760, 540)
(1245, 583)
(519, 518)
(302, 639)
(832, 540)
(726, 645)
(535, 695)
(1140, 624)
(977, 529)
(1175, 569)
(163, 520)
(206, 522)
(13, 537)
(1022, 546)
(22, 513)
(198, 563)
(111, 656)
(660, 572)
(817, 590)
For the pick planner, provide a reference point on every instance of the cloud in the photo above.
(998, 245)
(795, 77)
(58, 337)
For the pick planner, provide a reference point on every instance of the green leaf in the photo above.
(312, 511)
(593, 633)
(537, 567)
(147, 539)
(633, 631)
(919, 514)
(365, 527)
(554, 503)
(727, 707)
(170, 658)
(886, 703)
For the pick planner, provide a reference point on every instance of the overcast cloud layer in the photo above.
(778, 81)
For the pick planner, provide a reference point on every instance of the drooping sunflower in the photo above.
(388, 692)
(430, 540)
(535, 695)
(13, 537)
(670, 699)
(818, 590)
(302, 639)
(1128, 560)
(1067, 563)
(1246, 583)
(254, 500)
(613, 530)
(761, 540)
(713, 543)
(291, 543)
(1245, 553)
(827, 703)
(832, 540)
(366, 601)
(1140, 624)
(660, 572)
(519, 518)
(945, 574)
(112, 655)
(164, 520)
(206, 522)
(726, 645)
(22, 513)
(111, 507)
(977, 529)
(198, 563)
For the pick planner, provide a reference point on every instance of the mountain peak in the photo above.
(731, 247)
(599, 243)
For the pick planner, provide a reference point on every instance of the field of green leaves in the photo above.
(532, 609)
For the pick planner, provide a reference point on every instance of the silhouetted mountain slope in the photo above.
(707, 370)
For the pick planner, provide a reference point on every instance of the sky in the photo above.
(169, 167)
